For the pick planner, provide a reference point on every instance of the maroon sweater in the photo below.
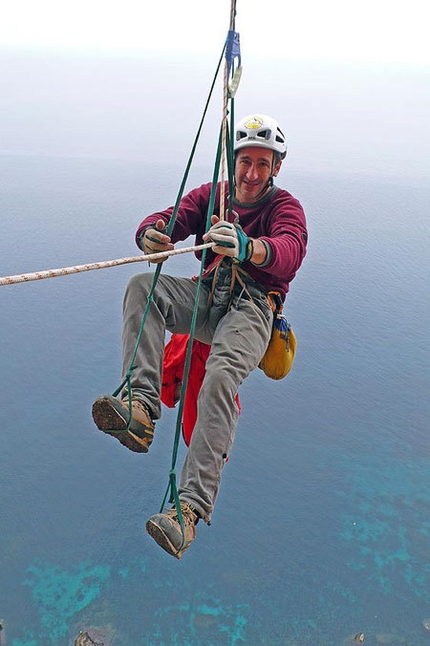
(278, 219)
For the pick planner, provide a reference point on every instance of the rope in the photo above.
(127, 380)
(224, 142)
(172, 488)
(105, 264)
(231, 52)
(126, 383)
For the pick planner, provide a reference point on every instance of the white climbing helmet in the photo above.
(262, 131)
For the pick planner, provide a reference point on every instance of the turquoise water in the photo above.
(322, 525)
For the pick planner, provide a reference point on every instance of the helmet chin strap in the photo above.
(264, 190)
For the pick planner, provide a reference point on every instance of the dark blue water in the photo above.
(322, 526)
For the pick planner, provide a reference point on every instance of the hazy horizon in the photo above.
(359, 117)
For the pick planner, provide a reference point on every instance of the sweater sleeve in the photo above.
(287, 238)
(281, 224)
(190, 219)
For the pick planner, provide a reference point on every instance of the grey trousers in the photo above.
(238, 335)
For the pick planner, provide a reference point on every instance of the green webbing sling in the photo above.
(172, 490)
(169, 229)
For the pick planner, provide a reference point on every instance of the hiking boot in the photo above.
(112, 415)
(166, 530)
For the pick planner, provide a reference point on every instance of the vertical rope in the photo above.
(225, 117)
(127, 379)
(221, 155)
(172, 492)
(172, 487)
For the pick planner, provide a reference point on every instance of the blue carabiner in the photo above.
(232, 50)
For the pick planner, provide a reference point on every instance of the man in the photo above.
(258, 248)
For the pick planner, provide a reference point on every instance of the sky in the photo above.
(365, 30)
(348, 82)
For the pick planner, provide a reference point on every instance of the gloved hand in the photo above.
(230, 240)
(154, 240)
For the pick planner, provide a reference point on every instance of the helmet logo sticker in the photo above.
(253, 122)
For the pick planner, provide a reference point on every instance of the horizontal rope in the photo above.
(66, 271)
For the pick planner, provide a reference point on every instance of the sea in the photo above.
(321, 532)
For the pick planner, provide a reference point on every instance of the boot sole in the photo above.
(160, 537)
(112, 421)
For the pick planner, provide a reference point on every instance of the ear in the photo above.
(277, 169)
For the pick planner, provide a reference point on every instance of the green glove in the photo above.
(230, 240)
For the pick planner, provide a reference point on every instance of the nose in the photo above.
(251, 173)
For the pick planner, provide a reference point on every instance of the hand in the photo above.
(230, 240)
(154, 241)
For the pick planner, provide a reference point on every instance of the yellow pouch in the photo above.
(279, 356)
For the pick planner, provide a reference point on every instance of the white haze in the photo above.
(357, 117)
